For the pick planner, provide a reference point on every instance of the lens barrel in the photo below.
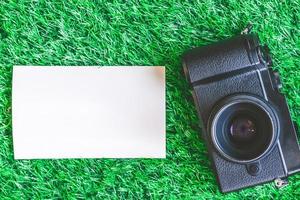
(243, 128)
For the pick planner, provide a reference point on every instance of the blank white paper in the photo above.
(88, 112)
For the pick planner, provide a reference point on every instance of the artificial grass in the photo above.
(137, 33)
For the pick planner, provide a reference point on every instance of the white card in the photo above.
(88, 112)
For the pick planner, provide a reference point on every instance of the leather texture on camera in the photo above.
(216, 59)
(208, 94)
(233, 176)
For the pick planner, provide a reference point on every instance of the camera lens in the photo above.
(243, 128)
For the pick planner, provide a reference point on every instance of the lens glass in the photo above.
(243, 130)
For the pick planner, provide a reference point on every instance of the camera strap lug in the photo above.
(247, 30)
(280, 183)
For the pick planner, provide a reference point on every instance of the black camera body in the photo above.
(246, 122)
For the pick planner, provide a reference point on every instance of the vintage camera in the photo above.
(246, 123)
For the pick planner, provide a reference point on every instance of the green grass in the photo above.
(137, 33)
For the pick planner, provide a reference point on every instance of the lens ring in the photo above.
(215, 123)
